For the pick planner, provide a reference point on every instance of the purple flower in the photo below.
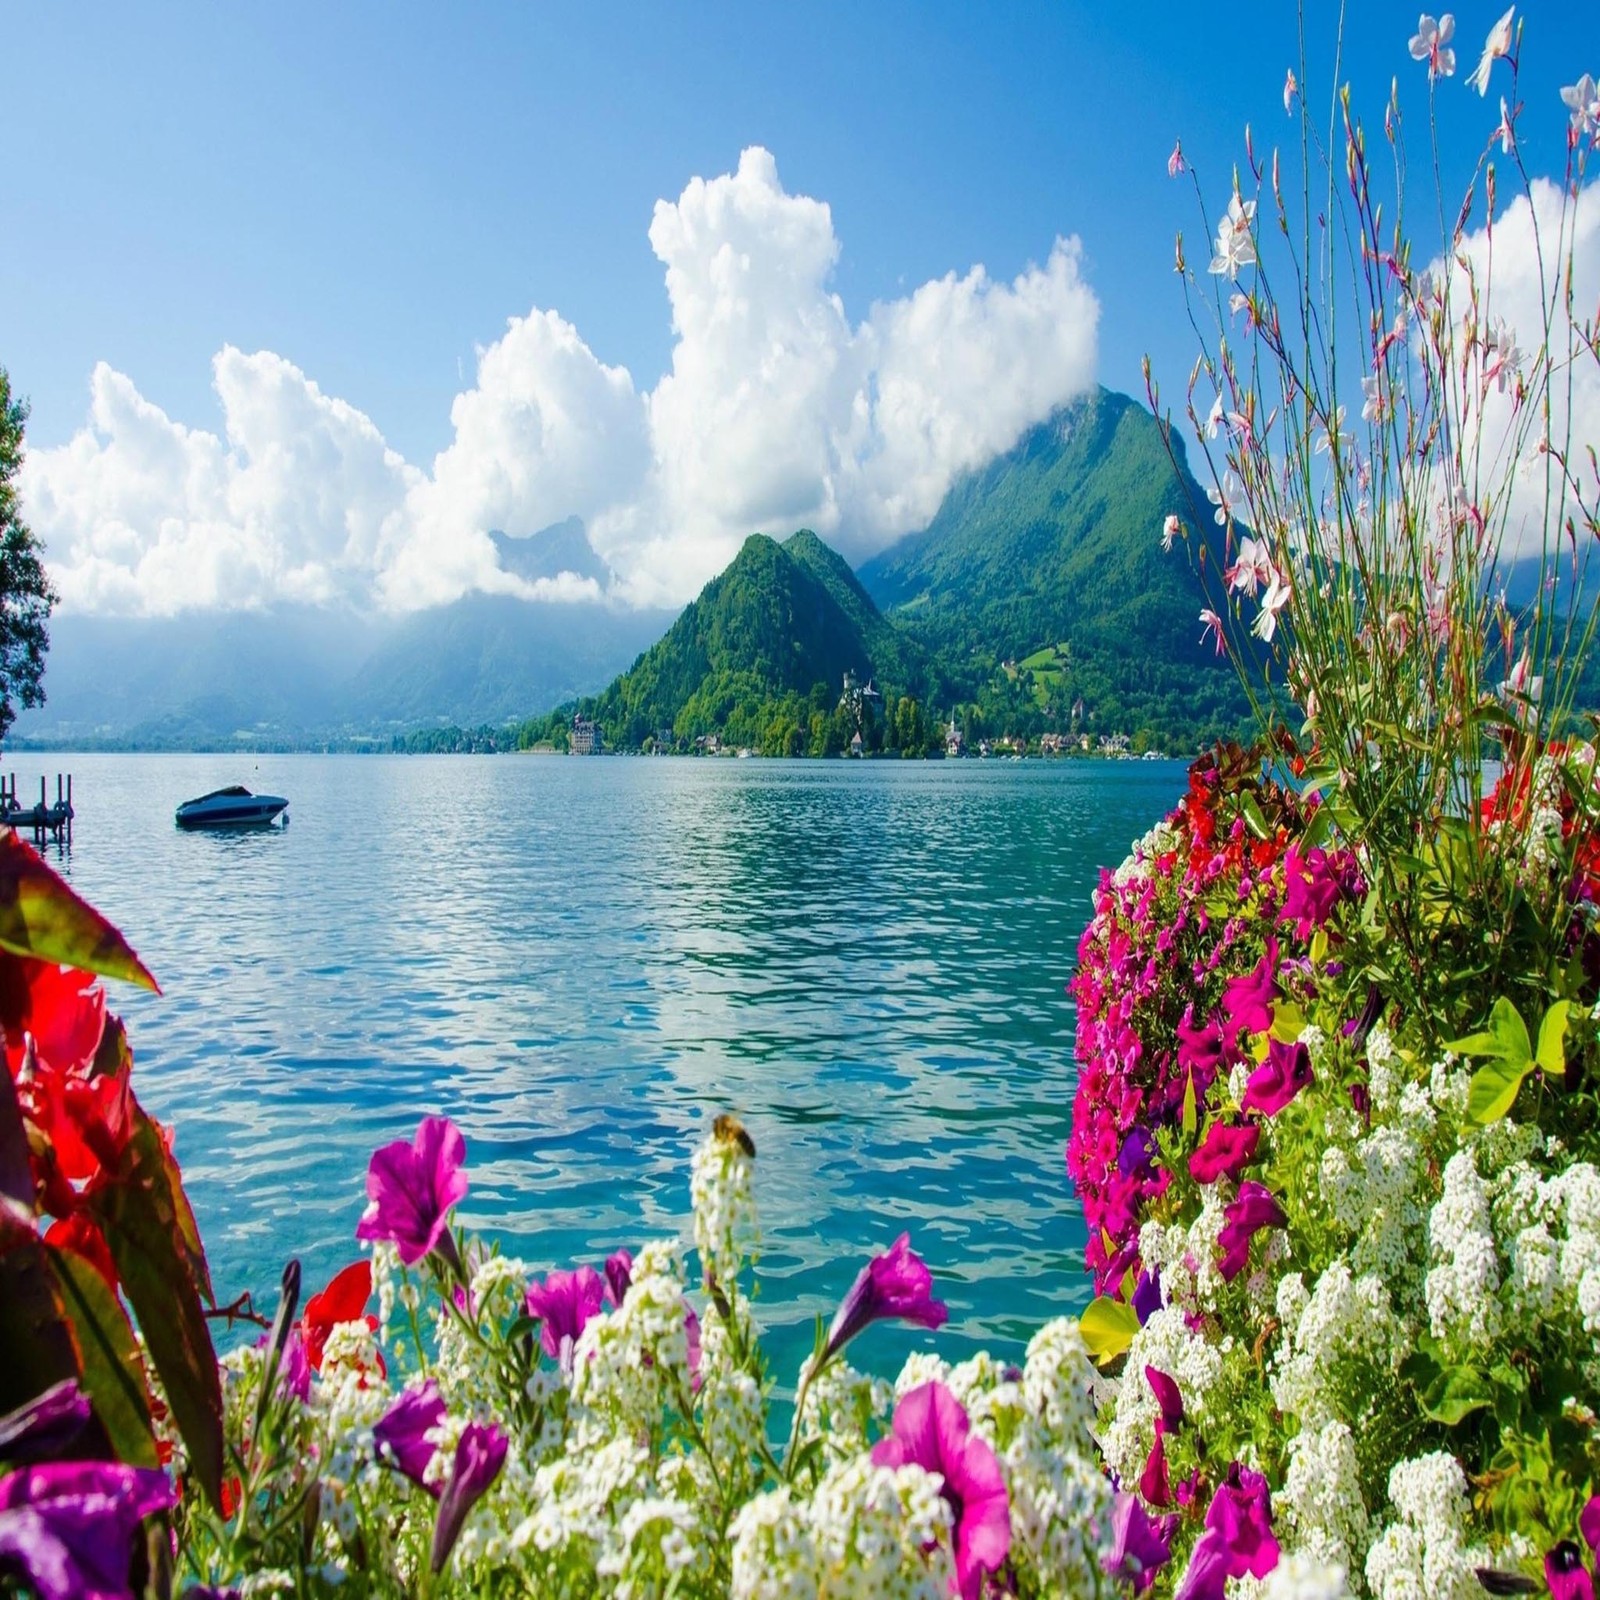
(563, 1303)
(1248, 1000)
(1240, 1515)
(1200, 1051)
(1168, 1397)
(1285, 1072)
(1313, 884)
(691, 1336)
(69, 1526)
(294, 1364)
(1566, 1574)
(479, 1457)
(1589, 1523)
(45, 1425)
(1140, 1545)
(1146, 1296)
(1252, 1209)
(1227, 1149)
(1208, 1571)
(931, 1431)
(1137, 1154)
(400, 1435)
(411, 1188)
(619, 1276)
(895, 1284)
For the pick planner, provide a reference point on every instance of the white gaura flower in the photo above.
(1176, 165)
(1225, 496)
(1214, 418)
(1170, 529)
(1501, 356)
(1582, 99)
(1252, 569)
(1498, 44)
(1431, 43)
(1235, 248)
(1373, 402)
(1505, 133)
(1272, 602)
(1212, 624)
(1290, 90)
(1333, 434)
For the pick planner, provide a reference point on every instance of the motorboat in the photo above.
(233, 807)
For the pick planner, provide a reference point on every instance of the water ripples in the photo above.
(583, 961)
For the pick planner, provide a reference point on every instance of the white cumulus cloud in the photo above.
(777, 412)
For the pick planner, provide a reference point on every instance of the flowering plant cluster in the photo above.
(1335, 1130)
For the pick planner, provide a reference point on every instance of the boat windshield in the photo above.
(237, 791)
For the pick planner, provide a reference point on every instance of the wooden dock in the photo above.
(43, 820)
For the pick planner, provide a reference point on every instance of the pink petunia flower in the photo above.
(1252, 1209)
(1140, 1544)
(894, 1284)
(564, 1303)
(1227, 1149)
(932, 1431)
(411, 1188)
(1285, 1072)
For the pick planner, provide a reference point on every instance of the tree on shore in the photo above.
(26, 597)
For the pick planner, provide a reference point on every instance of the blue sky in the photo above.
(369, 192)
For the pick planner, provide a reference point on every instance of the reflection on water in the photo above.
(583, 961)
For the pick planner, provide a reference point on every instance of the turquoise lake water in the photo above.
(582, 962)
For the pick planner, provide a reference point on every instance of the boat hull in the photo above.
(259, 811)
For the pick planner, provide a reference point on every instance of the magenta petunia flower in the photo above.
(619, 1276)
(1252, 1209)
(411, 1188)
(479, 1456)
(1589, 1523)
(1314, 883)
(1141, 1545)
(563, 1303)
(691, 1335)
(1206, 1577)
(69, 1527)
(1168, 1397)
(1566, 1574)
(931, 1431)
(400, 1435)
(1240, 1515)
(1154, 1482)
(1227, 1149)
(1200, 1051)
(894, 1284)
(1248, 1001)
(1285, 1072)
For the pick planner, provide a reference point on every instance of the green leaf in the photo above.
(1319, 947)
(1191, 1106)
(1288, 1022)
(113, 1374)
(1108, 1327)
(1493, 1090)
(1455, 1393)
(41, 917)
(1505, 1037)
(139, 1214)
(33, 1327)
(1552, 1051)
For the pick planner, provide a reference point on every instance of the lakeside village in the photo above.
(859, 701)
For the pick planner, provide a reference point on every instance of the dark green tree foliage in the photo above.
(26, 597)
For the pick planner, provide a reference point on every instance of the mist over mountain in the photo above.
(303, 674)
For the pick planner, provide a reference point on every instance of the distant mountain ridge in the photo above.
(768, 642)
(1057, 544)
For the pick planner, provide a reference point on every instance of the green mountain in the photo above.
(760, 659)
(1041, 581)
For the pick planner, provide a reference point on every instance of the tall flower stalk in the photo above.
(1390, 418)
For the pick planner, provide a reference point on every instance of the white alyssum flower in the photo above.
(1321, 1500)
(721, 1189)
(1463, 1308)
(1299, 1576)
(1342, 1319)
(1425, 1553)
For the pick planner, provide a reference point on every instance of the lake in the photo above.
(584, 961)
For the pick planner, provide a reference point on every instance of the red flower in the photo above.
(344, 1300)
(83, 1237)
